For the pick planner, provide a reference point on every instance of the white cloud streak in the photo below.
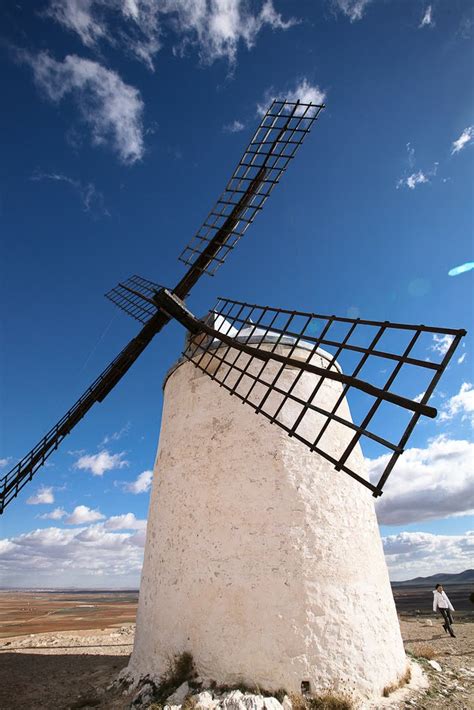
(415, 177)
(112, 109)
(464, 139)
(43, 496)
(99, 463)
(233, 127)
(353, 9)
(116, 435)
(414, 554)
(141, 27)
(427, 19)
(142, 484)
(429, 483)
(92, 200)
(4, 462)
(461, 404)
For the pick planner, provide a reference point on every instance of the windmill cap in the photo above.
(252, 334)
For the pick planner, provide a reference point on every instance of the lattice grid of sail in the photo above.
(274, 144)
(133, 296)
(369, 364)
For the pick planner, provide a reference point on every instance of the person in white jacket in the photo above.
(442, 604)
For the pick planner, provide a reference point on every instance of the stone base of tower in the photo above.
(261, 560)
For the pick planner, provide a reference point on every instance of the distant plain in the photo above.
(33, 612)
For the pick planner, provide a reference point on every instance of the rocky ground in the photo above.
(70, 670)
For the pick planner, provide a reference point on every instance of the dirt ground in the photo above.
(68, 670)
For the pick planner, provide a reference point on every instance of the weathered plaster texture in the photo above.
(262, 560)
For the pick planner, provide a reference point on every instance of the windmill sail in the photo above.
(273, 145)
(273, 355)
(13, 482)
(134, 296)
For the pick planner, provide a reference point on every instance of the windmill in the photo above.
(286, 365)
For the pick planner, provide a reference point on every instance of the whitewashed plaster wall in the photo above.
(261, 560)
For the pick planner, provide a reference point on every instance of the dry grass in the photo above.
(424, 650)
(404, 680)
(329, 701)
(324, 701)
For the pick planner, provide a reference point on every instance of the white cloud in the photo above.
(142, 484)
(128, 521)
(413, 180)
(55, 514)
(82, 514)
(112, 109)
(99, 463)
(4, 462)
(464, 139)
(353, 9)
(419, 397)
(141, 27)
(441, 343)
(420, 554)
(461, 359)
(302, 91)
(89, 556)
(233, 127)
(430, 483)
(427, 19)
(92, 200)
(116, 435)
(44, 495)
(416, 177)
(461, 403)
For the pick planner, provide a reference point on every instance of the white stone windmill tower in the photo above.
(262, 560)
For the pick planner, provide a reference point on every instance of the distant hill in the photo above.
(466, 577)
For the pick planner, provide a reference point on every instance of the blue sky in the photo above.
(125, 119)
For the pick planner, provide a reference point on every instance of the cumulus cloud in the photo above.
(99, 463)
(233, 127)
(427, 483)
(82, 514)
(55, 514)
(353, 9)
(427, 19)
(112, 109)
(128, 521)
(461, 404)
(44, 495)
(89, 556)
(142, 483)
(141, 27)
(414, 554)
(464, 139)
(302, 91)
(92, 200)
